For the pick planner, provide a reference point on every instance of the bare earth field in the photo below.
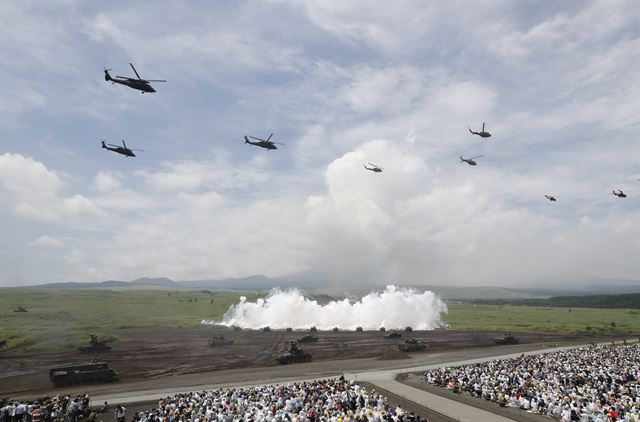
(174, 357)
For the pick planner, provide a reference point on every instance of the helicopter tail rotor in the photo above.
(107, 77)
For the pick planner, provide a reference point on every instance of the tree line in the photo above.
(629, 301)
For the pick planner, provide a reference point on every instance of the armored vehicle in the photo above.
(394, 334)
(84, 373)
(412, 345)
(308, 338)
(295, 354)
(219, 341)
(20, 309)
(507, 339)
(95, 346)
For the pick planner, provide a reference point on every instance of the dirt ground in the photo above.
(157, 354)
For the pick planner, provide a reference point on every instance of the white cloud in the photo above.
(34, 191)
(106, 181)
(48, 241)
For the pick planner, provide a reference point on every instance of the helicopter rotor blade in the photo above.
(155, 80)
(134, 70)
(115, 146)
(257, 139)
(371, 164)
(277, 143)
(125, 145)
(269, 138)
(473, 158)
(483, 126)
(135, 149)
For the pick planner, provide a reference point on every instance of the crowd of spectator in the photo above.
(587, 384)
(60, 408)
(333, 400)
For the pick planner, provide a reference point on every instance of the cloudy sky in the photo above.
(340, 84)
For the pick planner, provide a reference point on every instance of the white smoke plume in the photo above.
(393, 308)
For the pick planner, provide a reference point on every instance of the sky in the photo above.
(340, 84)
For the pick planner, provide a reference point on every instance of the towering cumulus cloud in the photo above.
(392, 308)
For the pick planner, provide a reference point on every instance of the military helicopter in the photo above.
(482, 134)
(551, 198)
(619, 194)
(469, 160)
(139, 84)
(374, 168)
(262, 143)
(124, 150)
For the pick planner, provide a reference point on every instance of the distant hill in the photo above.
(320, 283)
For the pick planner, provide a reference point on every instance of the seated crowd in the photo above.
(49, 409)
(595, 383)
(334, 400)
(327, 400)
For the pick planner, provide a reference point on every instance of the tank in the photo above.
(20, 309)
(295, 354)
(412, 345)
(219, 341)
(84, 373)
(507, 339)
(394, 334)
(308, 338)
(95, 346)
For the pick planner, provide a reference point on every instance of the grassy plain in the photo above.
(464, 316)
(65, 318)
(62, 318)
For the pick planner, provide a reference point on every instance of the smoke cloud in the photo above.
(395, 307)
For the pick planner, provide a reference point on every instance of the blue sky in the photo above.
(340, 84)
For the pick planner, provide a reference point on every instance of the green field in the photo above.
(464, 316)
(65, 318)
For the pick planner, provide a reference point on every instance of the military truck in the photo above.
(412, 345)
(95, 346)
(394, 334)
(219, 340)
(295, 354)
(308, 338)
(85, 373)
(507, 339)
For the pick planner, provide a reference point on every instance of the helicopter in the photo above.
(469, 160)
(139, 84)
(482, 134)
(374, 168)
(551, 198)
(124, 150)
(619, 194)
(268, 144)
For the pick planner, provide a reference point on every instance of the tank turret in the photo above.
(295, 354)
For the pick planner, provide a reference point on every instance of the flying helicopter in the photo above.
(619, 194)
(374, 168)
(551, 198)
(482, 134)
(140, 84)
(267, 144)
(124, 150)
(469, 160)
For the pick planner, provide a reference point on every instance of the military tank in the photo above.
(308, 338)
(507, 339)
(295, 354)
(394, 334)
(219, 341)
(95, 346)
(412, 345)
(85, 373)
(20, 309)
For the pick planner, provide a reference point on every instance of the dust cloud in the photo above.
(395, 307)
